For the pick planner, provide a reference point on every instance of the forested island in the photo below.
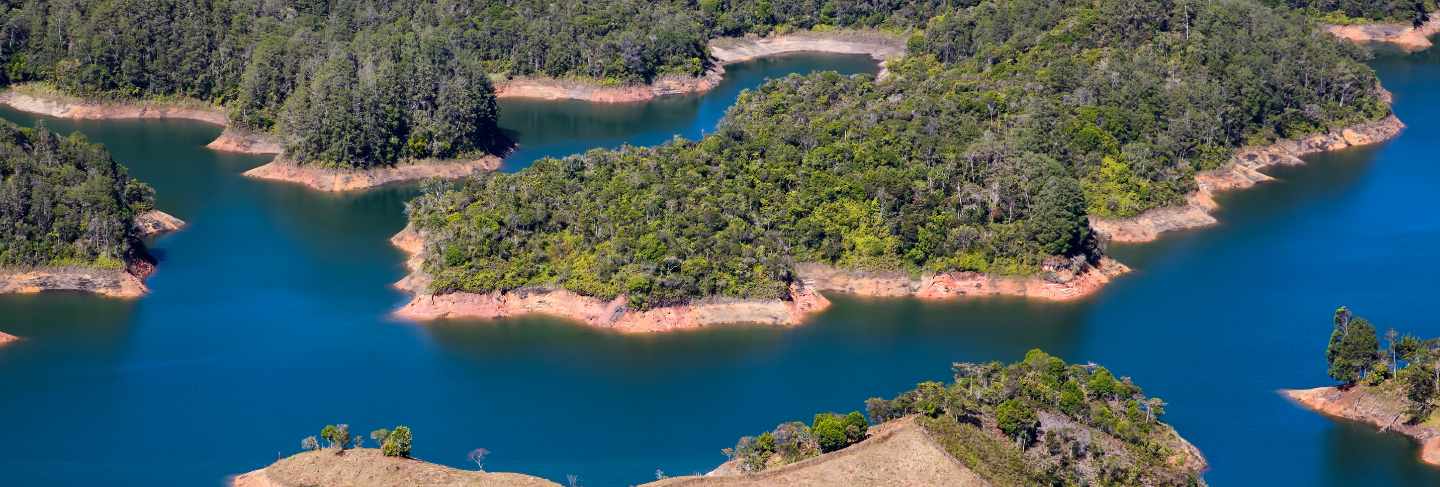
(1394, 384)
(71, 218)
(975, 167)
(1034, 422)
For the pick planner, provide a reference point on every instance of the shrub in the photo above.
(829, 430)
(1017, 419)
(397, 443)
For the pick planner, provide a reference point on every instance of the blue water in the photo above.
(267, 320)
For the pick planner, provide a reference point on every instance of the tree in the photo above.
(1353, 350)
(1419, 386)
(1017, 420)
(1391, 336)
(397, 443)
(829, 431)
(478, 456)
(379, 436)
(309, 443)
(856, 428)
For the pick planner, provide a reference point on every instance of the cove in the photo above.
(267, 320)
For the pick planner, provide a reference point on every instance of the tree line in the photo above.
(65, 202)
(1354, 11)
(1007, 125)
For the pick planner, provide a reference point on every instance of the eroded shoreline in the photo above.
(724, 51)
(1359, 403)
(1242, 171)
(336, 180)
(805, 297)
(1407, 37)
(126, 283)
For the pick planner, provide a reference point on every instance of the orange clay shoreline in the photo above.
(804, 300)
(1363, 404)
(127, 283)
(723, 51)
(1405, 36)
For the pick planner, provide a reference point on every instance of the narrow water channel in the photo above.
(268, 319)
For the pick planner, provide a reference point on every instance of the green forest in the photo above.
(65, 202)
(362, 83)
(985, 149)
(1100, 430)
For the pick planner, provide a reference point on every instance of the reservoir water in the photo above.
(268, 320)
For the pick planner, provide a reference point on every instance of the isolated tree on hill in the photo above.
(478, 456)
(1353, 348)
(309, 443)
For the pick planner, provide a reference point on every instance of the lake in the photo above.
(268, 319)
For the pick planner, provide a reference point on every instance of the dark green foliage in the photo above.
(1353, 348)
(1371, 10)
(1017, 420)
(1007, 125)
(65, 202)
(397, 443)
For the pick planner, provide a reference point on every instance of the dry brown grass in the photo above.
(366, 467)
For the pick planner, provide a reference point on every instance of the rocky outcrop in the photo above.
(366, 467)
(156, 222)
(114, 283)
(330, 179)
(1405, 36)
(245, 142)
(723, 51)
(1384, 409)
(1061, 282)
(6, 338)
(1242, 171)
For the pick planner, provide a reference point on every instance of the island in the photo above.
(1035, 422)
(998, 156)
(1395, 387)
(71, 218)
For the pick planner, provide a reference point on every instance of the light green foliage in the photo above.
(64, 202)
(1017, 419)
(397, 443)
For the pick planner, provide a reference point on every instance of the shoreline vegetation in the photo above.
(1394, 386)
(724, 51)
(804, 299)
(1243, 171)
(1035, 422)
(71, 217)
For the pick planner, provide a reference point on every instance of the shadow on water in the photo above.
(268, 320)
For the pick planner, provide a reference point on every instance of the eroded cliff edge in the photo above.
(1372, 406)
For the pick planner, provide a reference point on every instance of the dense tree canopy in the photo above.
(64, 201)
(359, 83)
(985, 149)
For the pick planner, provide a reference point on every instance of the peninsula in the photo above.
(994, 425)
(1393, 387)
(989, 161)
(73, 218)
